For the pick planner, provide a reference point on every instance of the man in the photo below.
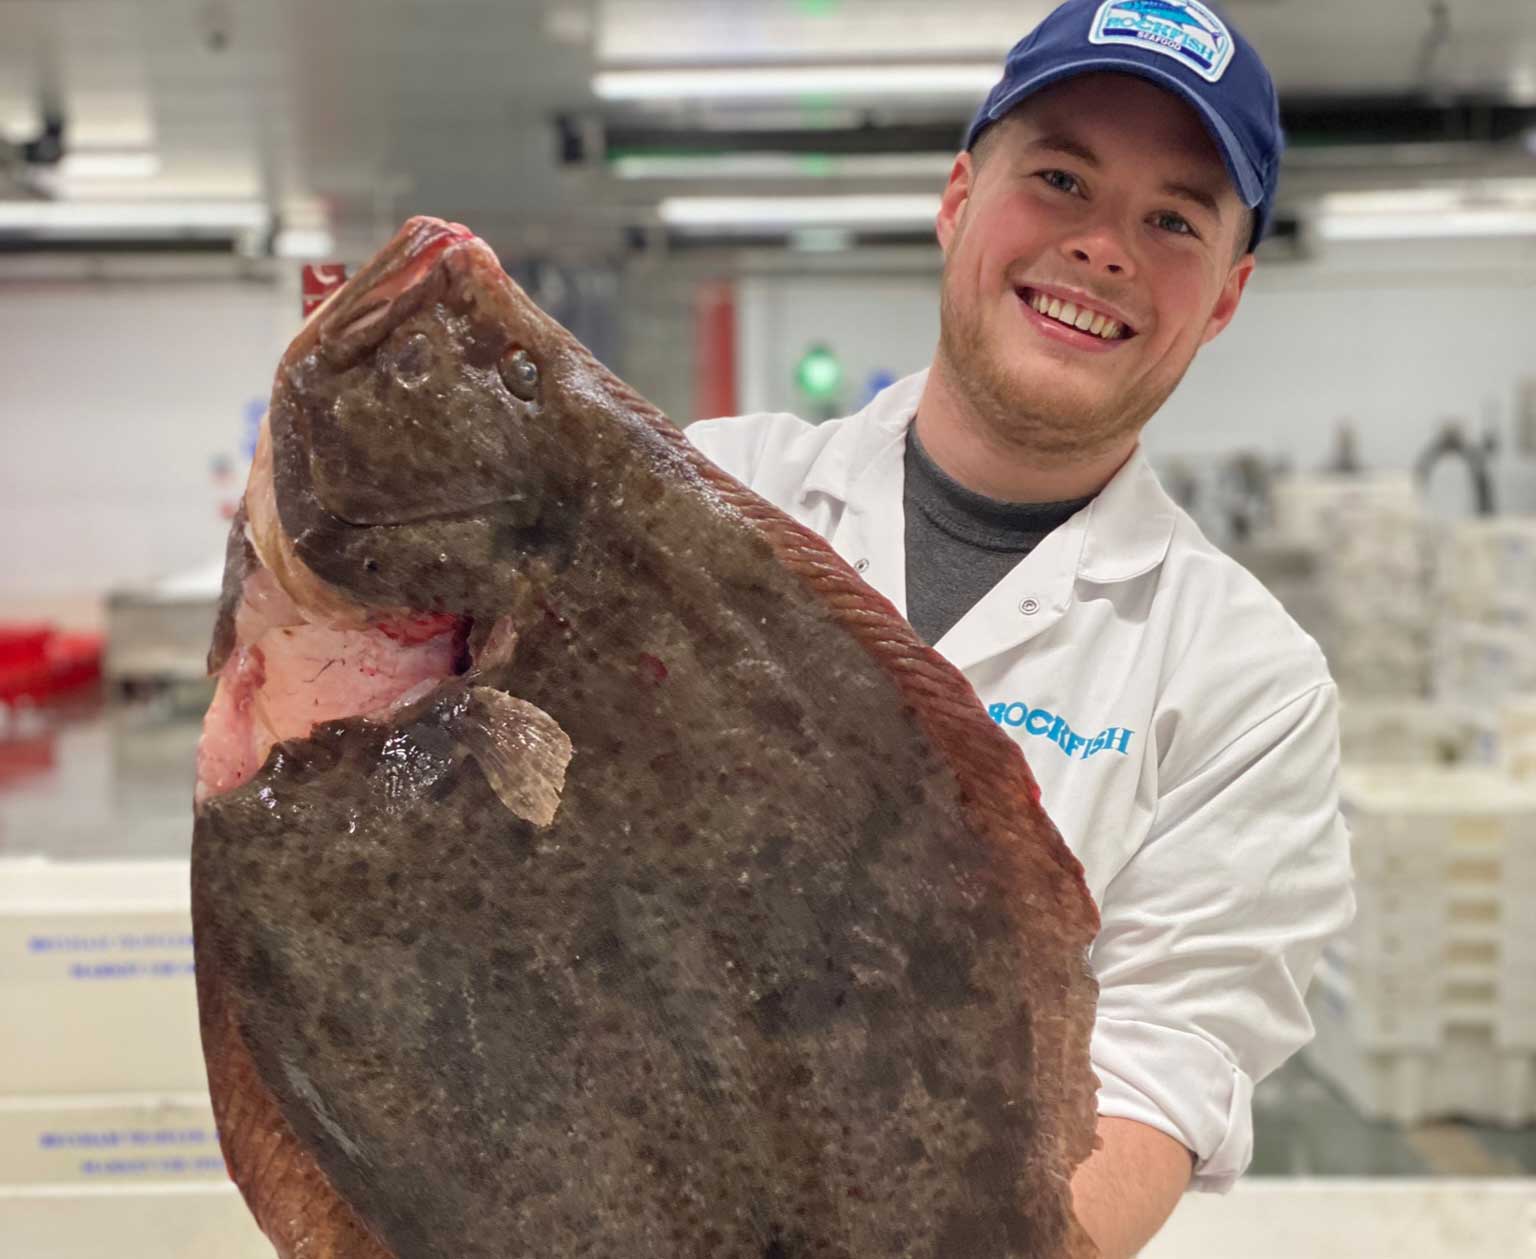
(1097, 230)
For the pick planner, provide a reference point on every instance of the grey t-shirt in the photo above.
(959, 543)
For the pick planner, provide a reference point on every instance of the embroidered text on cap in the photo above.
(1182, 29)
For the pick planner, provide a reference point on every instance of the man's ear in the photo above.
(952, 205)
(1231, 295)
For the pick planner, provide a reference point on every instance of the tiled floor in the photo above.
(93, 781)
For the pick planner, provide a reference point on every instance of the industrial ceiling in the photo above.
(339, 117)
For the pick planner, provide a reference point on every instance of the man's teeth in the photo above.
(1083, 320)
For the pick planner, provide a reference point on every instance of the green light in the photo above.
(818, 8)
(819, 374)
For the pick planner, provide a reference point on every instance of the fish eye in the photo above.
(521, 375)
(413, 359)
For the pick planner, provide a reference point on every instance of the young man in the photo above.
(1097, 231)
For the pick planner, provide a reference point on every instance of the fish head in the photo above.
(424, 442)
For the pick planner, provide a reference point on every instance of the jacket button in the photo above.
(1029, 607)
(861, 566)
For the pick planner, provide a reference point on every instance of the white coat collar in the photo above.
(1127, 528)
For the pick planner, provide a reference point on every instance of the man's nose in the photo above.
(1101, 248)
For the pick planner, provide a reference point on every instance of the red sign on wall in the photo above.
(320, 281)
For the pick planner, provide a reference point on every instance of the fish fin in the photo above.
(390, 709)
(1078, 1244)
(521, 749)
(498, 649)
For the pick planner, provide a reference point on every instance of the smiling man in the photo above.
(1097, 230)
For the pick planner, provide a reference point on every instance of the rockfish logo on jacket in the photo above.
(1181, 29)
(1044, 724)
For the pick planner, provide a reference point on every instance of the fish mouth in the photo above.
(386, 292)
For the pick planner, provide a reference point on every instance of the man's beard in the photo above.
(1054, 430)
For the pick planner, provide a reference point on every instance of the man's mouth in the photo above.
(1076, 315)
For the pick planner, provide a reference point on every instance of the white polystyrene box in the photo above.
(1488, 561)
(114, 1139)
(1445, 865)
(191, 1221)
(1517, 736)
(96, 978)
(1467, 1075)
(1483, 664)
(1308, 508)
(1404, 732)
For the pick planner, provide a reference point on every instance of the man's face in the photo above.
(1104, 192)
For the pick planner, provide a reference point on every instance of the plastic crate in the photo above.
(1465, 1075)
(1487, 570)
(1517, 737)
(1309, 508)
(1407, 732)
(1445, 866)
(1482, 664)
(38, 662)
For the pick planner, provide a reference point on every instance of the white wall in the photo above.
(115, 397)
(873, 323)
(1397, 337)
(116, 394)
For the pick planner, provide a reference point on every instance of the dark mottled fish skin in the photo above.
(798, 970)
(239, 562)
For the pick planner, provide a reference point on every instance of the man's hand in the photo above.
(1129, 1186)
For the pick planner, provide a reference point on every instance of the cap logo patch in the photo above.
(1182, 29)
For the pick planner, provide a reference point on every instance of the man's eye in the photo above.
(1060, 180)
(1171, 222)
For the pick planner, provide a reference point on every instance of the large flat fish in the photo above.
(586, 862)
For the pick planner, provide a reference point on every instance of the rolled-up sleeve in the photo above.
(1212, 930)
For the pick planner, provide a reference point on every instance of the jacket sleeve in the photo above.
(1211, 932)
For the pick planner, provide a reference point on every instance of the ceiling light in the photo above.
(966, 80)
(127, 218)
(779, 213)
(1502, 208)
(782, 166)
(1445, 225)
(109, 164)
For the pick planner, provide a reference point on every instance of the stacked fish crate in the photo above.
(104, 1113)
(1517, 737)
(1371, 537)
(1409, 732)
(1485, 638)
(1427, 1006)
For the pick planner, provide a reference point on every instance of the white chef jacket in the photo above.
(1183, 730)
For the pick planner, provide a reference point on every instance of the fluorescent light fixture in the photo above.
(1443, 226)
(1496, 209)
(783, 166)
(967, 80)
(108, 164)
(821, 240)
(779, 213)
(127, 218)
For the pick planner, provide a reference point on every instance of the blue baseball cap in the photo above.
(1180, 45)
